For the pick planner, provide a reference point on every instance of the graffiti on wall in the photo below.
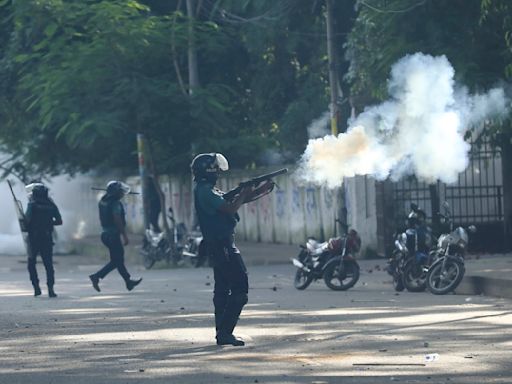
(280, 203)
(265, 206)
(296, 205)
(328, 198)
(310, 200)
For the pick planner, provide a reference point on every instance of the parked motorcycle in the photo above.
(411, 255)
(194, 249)
(183, 247)
(155, 247)
(332, 260)
(447, 271)
(397, 260)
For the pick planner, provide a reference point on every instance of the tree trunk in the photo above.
(193, 71)
(161, 195)
(333, 69)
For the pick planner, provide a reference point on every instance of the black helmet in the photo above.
(416, 217)
(117, 188)
(207, 165)
(37, 191)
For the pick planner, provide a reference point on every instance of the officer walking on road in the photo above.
(113, 223)
(217, 219)
(40, 217)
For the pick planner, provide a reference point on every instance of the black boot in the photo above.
(37, 291)
(229, 339)
(95, 280)
(51, 292)
(130, 284)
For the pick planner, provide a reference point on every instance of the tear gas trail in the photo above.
(419, 130)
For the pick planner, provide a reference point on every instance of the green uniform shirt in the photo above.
(214, 224)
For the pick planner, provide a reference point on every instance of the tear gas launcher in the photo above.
(254, 182)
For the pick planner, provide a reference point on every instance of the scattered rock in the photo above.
(182, 308)
(425, 344)
(274, 289)
(208, 284)
(162, 301)
(383, 350)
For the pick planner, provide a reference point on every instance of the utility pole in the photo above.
(193, 72)
(333, 69)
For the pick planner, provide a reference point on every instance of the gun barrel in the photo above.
(270, 175)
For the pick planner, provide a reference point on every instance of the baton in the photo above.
(103, 189)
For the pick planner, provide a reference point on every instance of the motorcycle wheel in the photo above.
(302, 279)
(414, 277)
(398, 283)
(147, 260)
(442, 281)
(341, 280)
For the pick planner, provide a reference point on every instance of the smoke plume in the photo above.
(419, 130)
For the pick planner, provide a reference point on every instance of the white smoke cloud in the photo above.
(319, 127)
(420, 130)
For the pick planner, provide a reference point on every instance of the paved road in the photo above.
(162, 331)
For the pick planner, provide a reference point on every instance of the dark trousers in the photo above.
(231, 284)
(42, 245)
(113, 242)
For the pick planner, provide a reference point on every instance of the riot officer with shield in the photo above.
(41, 216)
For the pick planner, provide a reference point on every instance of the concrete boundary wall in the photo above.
(288, 215)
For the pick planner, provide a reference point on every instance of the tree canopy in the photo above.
(79, 78)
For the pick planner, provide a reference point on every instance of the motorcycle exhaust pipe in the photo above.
(188, 254)
(298, 264)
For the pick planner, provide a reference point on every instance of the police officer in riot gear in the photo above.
(41, 216)
(113, 223)
(217, 219)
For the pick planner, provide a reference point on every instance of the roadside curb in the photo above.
(488, 286)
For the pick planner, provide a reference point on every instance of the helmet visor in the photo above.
(30, 187)
(125, 188)
(221, 162)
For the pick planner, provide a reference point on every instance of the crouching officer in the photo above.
(217, 219)
(40, 217)
(113, 224)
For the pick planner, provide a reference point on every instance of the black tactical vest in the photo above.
(106, 208)
(43, 213)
